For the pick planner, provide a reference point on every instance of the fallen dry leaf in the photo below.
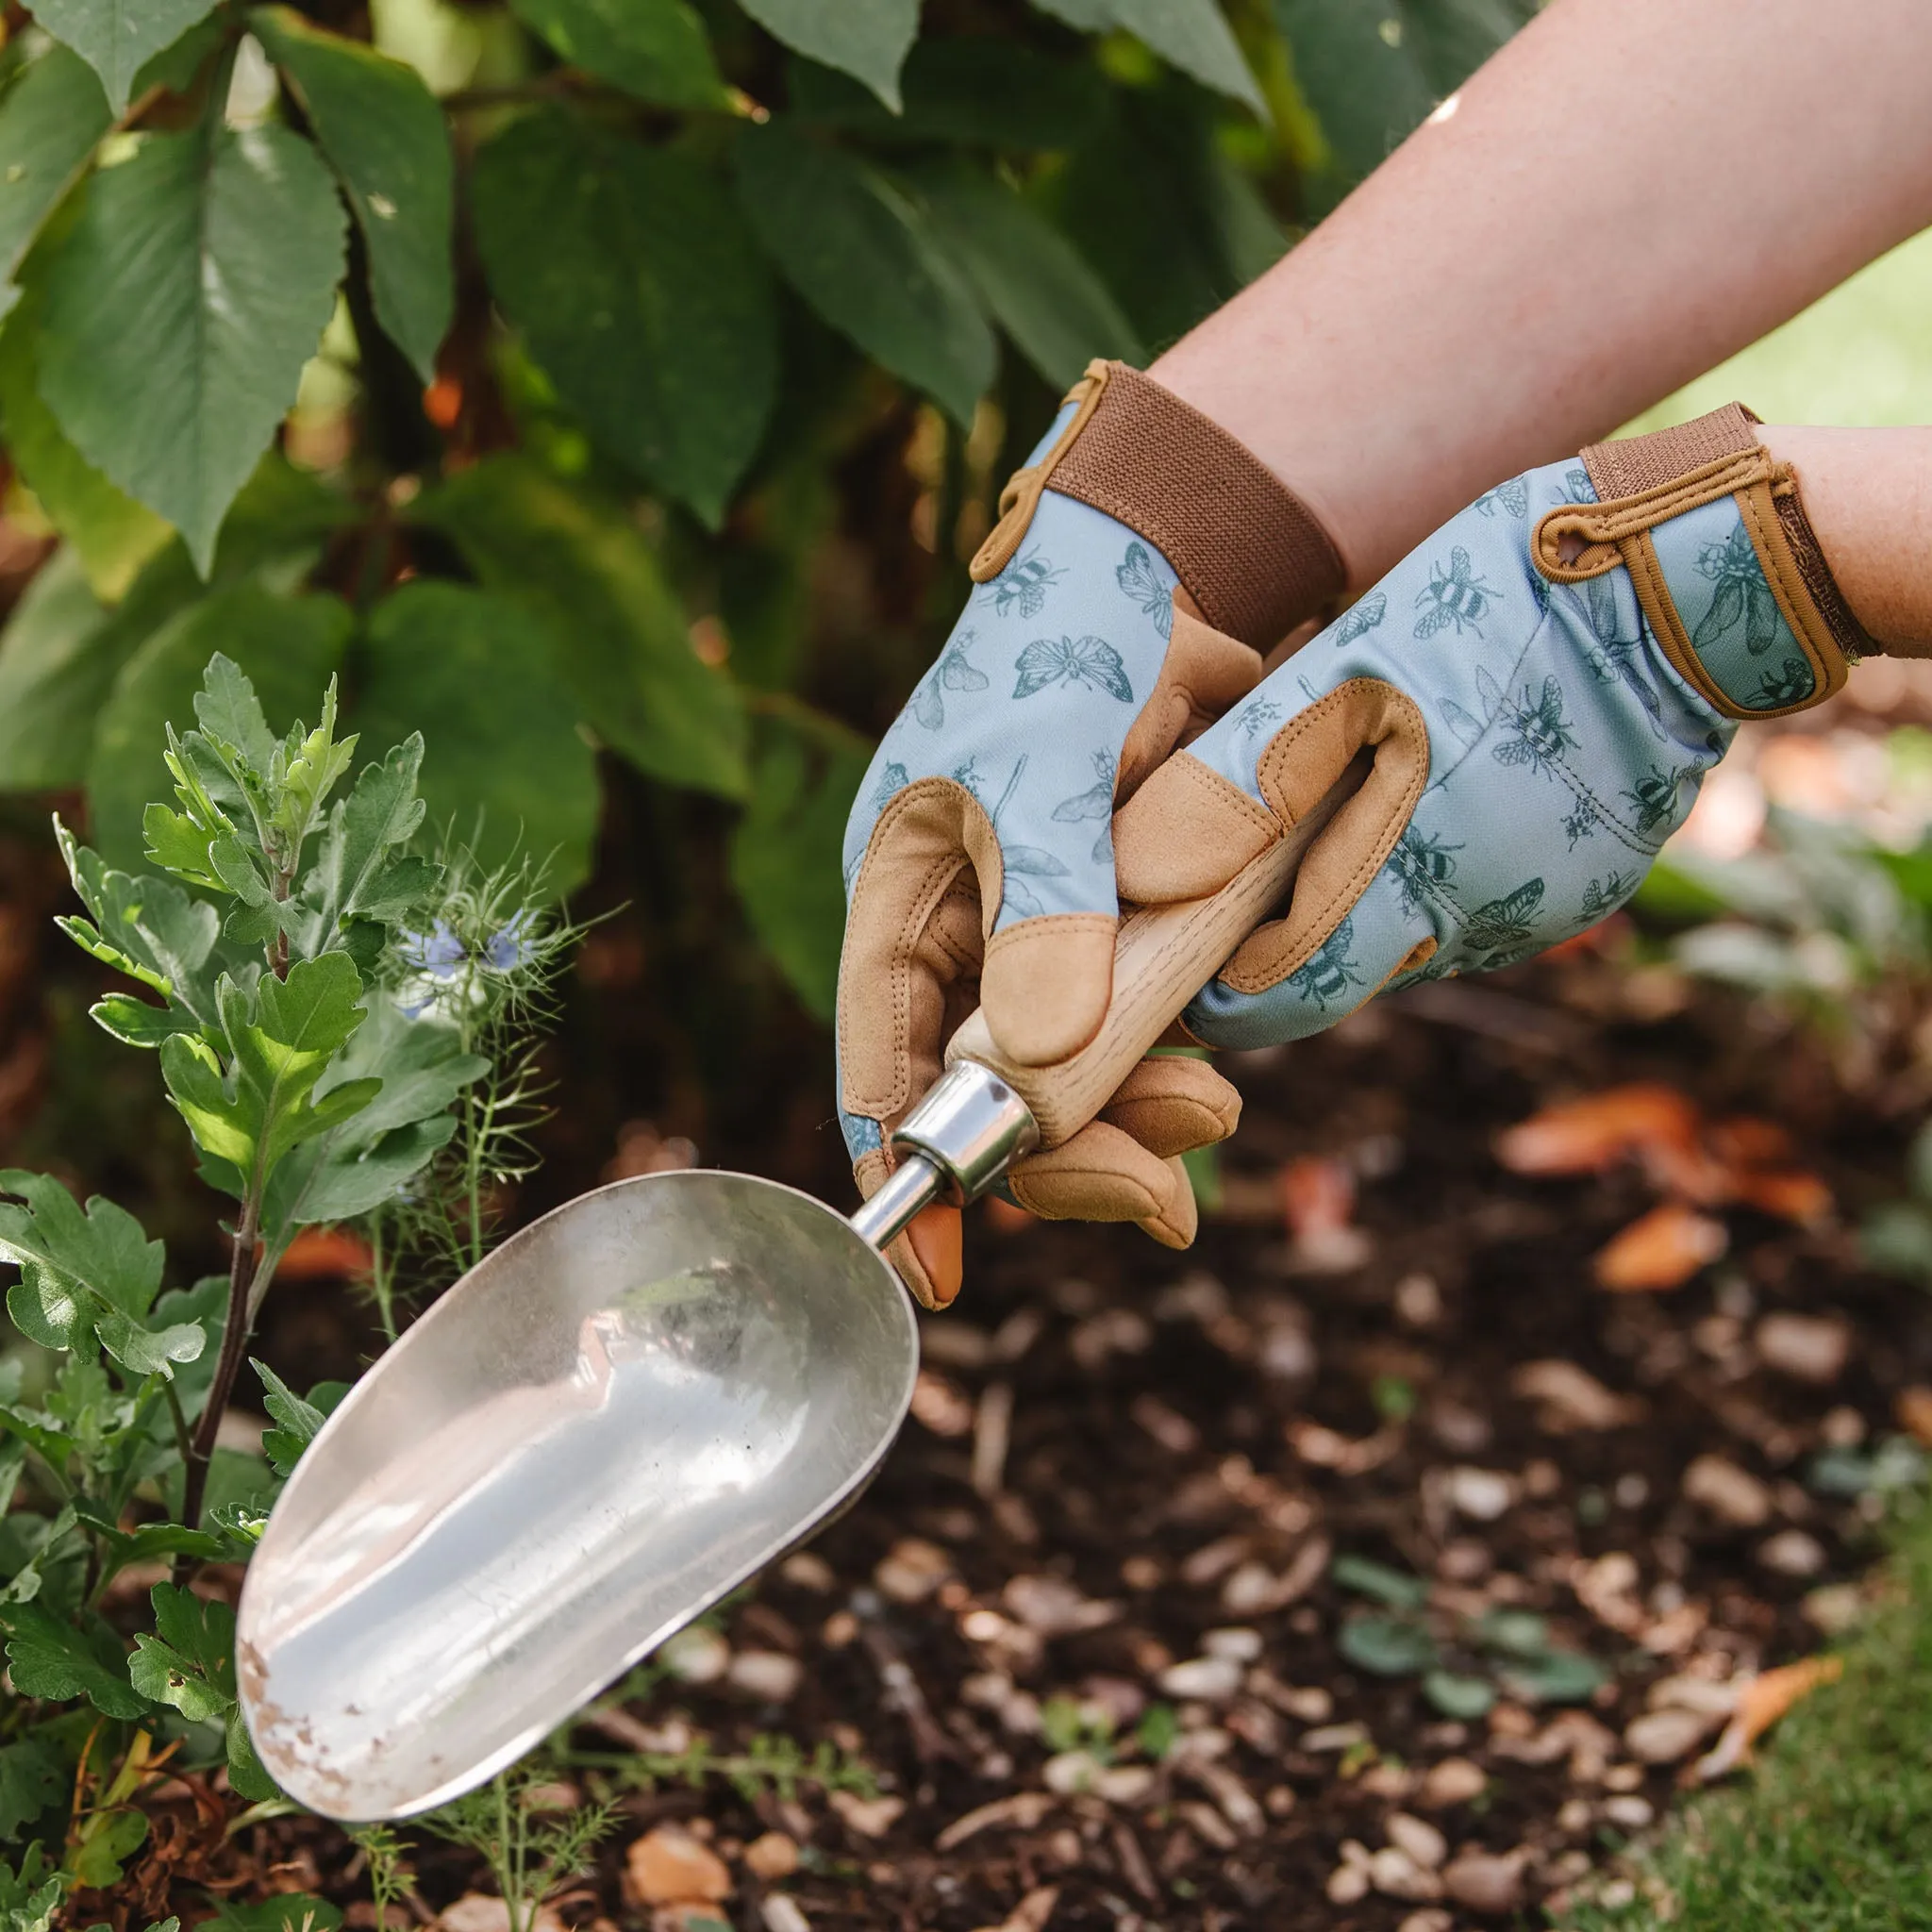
(1317, 1196)
(1760, 1702)
(668, 1866)
(1591, 1134)
(1659, 1250)
(1790, 1195)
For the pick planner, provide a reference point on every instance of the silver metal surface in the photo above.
(970, 1126)
(628, 1408)
(911, 1188)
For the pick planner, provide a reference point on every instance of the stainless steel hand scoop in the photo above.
(625, 1412)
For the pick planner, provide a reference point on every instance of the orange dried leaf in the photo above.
(1317, 1196)
(1761, 1703)
(1745, 1141)
(1794, 1195)
(1914, 1412)
(1659, 1250)
(1592, 1134)
(324, 1253)
(442, 402)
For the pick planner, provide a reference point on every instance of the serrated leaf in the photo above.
(103, 1842)
(52, 1660)
(504, 760)
(229, 710)
(289, 647)
(283, 1041)
(248, 1778)
(196, 285)
(1029, 275)
(617, 634)
(86, 1275)
(656, 50)
(189, 1659)
(629, 271)
(1387, 1646)
(28, 1897)
(785, 858)
(299, 1421)
(868, 261)
(117, 37)
(867, 38)
(51, 115)
(385, 136)
(33, 1775)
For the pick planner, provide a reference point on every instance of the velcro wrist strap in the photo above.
(1722, 559)
(1247, 550)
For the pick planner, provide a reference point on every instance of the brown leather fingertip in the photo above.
(1185, 833)
(1172, 1102)
(1046, 985)
(1204, 673)
(927, 1257)
(1103, 1173)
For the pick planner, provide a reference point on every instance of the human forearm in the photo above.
(1629, 191)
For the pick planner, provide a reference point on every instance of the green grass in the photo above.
(1860, 356)
(1833, 1831)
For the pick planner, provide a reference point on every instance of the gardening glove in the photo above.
(1143, 562)
(1542, 685)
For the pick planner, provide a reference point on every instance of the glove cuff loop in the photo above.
(1757, 571)
(1249, 552)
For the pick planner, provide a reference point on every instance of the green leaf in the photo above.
(188, 1660)
(249, 1780)
(1514, 1633)
(1029, 275)
(785, 858)
(868, 261)
(33, 1775)
(618, 636)
(505, 758)
(1465, 1698)
(288, 1911)
(54, 672)
(106, 1842)
(51, 115)
(196, 285)
(653, 49)
(53, 1660)
(1563, 1677)
(386, 137)
(28, 1898)
(629, 271)
(288, 646)
(113, 534)
(984, 91)
(1388, 1646)
(1366, 1577)
(116, 37)
(299, 1421)
(1190, 35)
(85, 1276)
(364, 1161)
(283, 1046)
(867, 38)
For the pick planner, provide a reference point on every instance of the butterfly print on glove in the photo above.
(952, 672)
(1614, 656)
(1512, 496)
(1502, 925)
(1138, 577)
(892, 779)
(1359, 620)
(1096, 802)
(1075, 660)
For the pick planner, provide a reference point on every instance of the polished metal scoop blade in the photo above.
(628, 1408)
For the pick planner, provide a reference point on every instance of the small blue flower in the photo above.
(438, 952)
(510, 947)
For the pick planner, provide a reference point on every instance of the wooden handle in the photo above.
(1162, 958)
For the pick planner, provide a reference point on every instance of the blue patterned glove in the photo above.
(1542, 685)
(1142, 562)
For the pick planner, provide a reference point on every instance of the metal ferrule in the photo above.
(971, 1125)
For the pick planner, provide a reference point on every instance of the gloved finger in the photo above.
(1204, 673)
(1290, 992)
(1104, 1173)
(1171, 1103)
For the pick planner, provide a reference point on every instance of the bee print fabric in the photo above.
(1562, 751)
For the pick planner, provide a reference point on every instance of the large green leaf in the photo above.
(983, 91)
(113, 534)
(33, 1773)
(865, 258)
(630, 273)
(1190, 35)
(117, 37)
(1028, 273)
(189, 1659)
(617, 634)
(785, 855)
(86, 1275)
(53, 673)
(289, 646)
(868, 39)
(505, 768)
(180, 312)
(386, 137)
(51, 115)
(1371, 70)
(654, 49)
(53, 1660)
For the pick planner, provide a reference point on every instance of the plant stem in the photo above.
(234, 1342)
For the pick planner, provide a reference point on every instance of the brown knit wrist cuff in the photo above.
(1248, 551)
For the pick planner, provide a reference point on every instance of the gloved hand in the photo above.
(1143, 562)
(1543, 683)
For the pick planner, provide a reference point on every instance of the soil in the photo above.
(1125, 1460)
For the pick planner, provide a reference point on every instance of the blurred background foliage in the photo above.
(613, 388)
